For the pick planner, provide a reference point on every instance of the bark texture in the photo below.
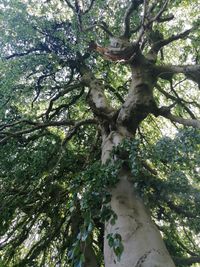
(143, 244)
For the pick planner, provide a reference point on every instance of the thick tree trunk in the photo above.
(143, 244)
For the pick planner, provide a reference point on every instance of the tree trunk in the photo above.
(143, 244)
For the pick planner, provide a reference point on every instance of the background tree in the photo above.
(91, 82)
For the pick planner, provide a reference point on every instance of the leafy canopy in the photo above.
(54, 191)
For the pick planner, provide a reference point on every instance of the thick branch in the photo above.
(192, 72)
(139, 102)
(158, 45)
(186, 122)
(133, 6)
(96, 97)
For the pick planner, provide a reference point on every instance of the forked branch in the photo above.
(89, 8)
(131, 8)
(163, 42)
(177, 100)
(159, 14)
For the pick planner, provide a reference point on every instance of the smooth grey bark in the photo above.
(143, 244)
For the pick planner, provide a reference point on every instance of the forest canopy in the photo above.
(99, 133)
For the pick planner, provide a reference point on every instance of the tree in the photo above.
(87, 161)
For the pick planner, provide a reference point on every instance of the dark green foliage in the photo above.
(54, 195)
(170, 186)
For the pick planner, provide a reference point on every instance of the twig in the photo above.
(89, 8)
(70, 5)
(157, 16)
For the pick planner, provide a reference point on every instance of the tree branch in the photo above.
(181, 102)
(79, 13)
(160, 42)
(68, 89)
(70, 5)
(158, 45)
(23, 53)
(192, 72)
(181, 211)
(158, 15)
(66, 106)
(74, 130)
(186, 122)
(101, 25)
(96, 97)
(133, 6)
(147, 21)
(177, 99)
(115, 92)
(166, 18)
(42, 125)
(186, 261)
(89, 8)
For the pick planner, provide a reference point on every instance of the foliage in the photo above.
(53, 188)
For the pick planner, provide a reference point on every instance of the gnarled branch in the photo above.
(132, 6)
(96, 97)
(158, 45)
